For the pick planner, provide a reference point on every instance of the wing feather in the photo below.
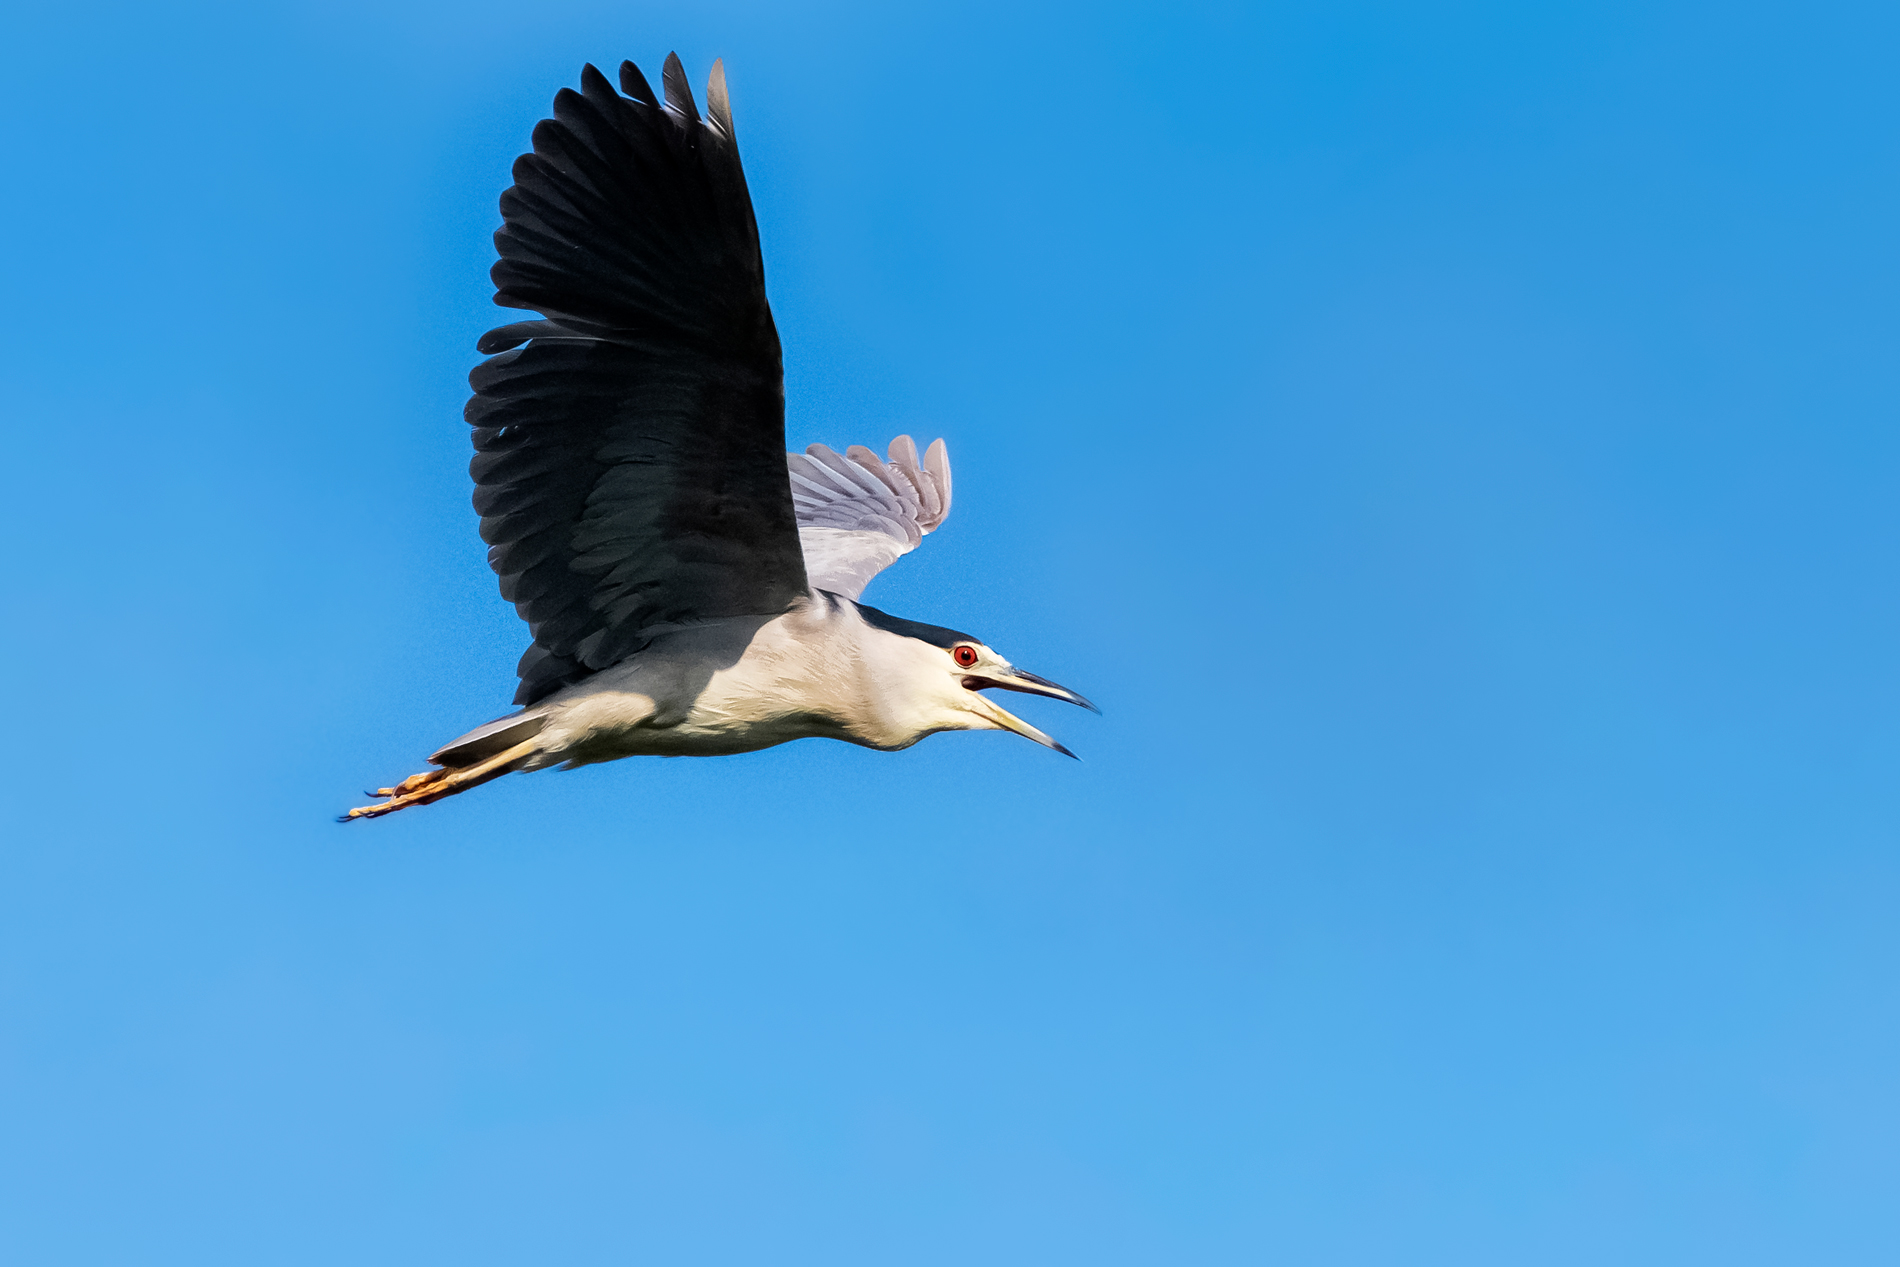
(858, 514)
(627, 467)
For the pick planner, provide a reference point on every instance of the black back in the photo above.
(630, 458)
(935, 635)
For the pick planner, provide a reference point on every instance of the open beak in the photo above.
(1030, 684)
(1014, 679)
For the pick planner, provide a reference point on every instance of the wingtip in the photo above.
(930, 478)
(937, 463)
(679, 94)
(635, 85)
(593, 83)
(718, 103)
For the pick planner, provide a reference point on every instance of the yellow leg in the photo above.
(420, 789)
(415, 783)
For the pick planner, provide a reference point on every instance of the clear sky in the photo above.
(1455, 443)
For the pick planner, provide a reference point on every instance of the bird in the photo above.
(691, 589)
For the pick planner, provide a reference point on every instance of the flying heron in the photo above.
(691, 587)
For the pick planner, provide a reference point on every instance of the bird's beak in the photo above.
(1003, 719)
(1014, 679)
(1029, 683)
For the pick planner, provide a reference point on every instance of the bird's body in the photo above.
(744, 683)
(691, 588)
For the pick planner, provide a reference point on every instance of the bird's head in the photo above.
(941, 674)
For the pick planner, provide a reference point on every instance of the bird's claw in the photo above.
(433, 785)
(404, 793)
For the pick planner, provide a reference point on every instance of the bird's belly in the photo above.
(713, 733)
(705, 728)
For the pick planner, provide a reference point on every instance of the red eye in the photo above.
(965, 656)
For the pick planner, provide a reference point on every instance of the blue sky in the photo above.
(1455, 444)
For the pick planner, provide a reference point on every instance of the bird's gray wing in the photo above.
(627, 467)
(857, 515)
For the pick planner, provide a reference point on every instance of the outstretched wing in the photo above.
(627, 468)
(857, 515)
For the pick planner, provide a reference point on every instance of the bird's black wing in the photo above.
(629, 467)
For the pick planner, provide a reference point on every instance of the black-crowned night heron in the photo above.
(691, 588)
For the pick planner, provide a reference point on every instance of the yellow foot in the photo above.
(397, 800)
(420, 789)
(414, 783)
